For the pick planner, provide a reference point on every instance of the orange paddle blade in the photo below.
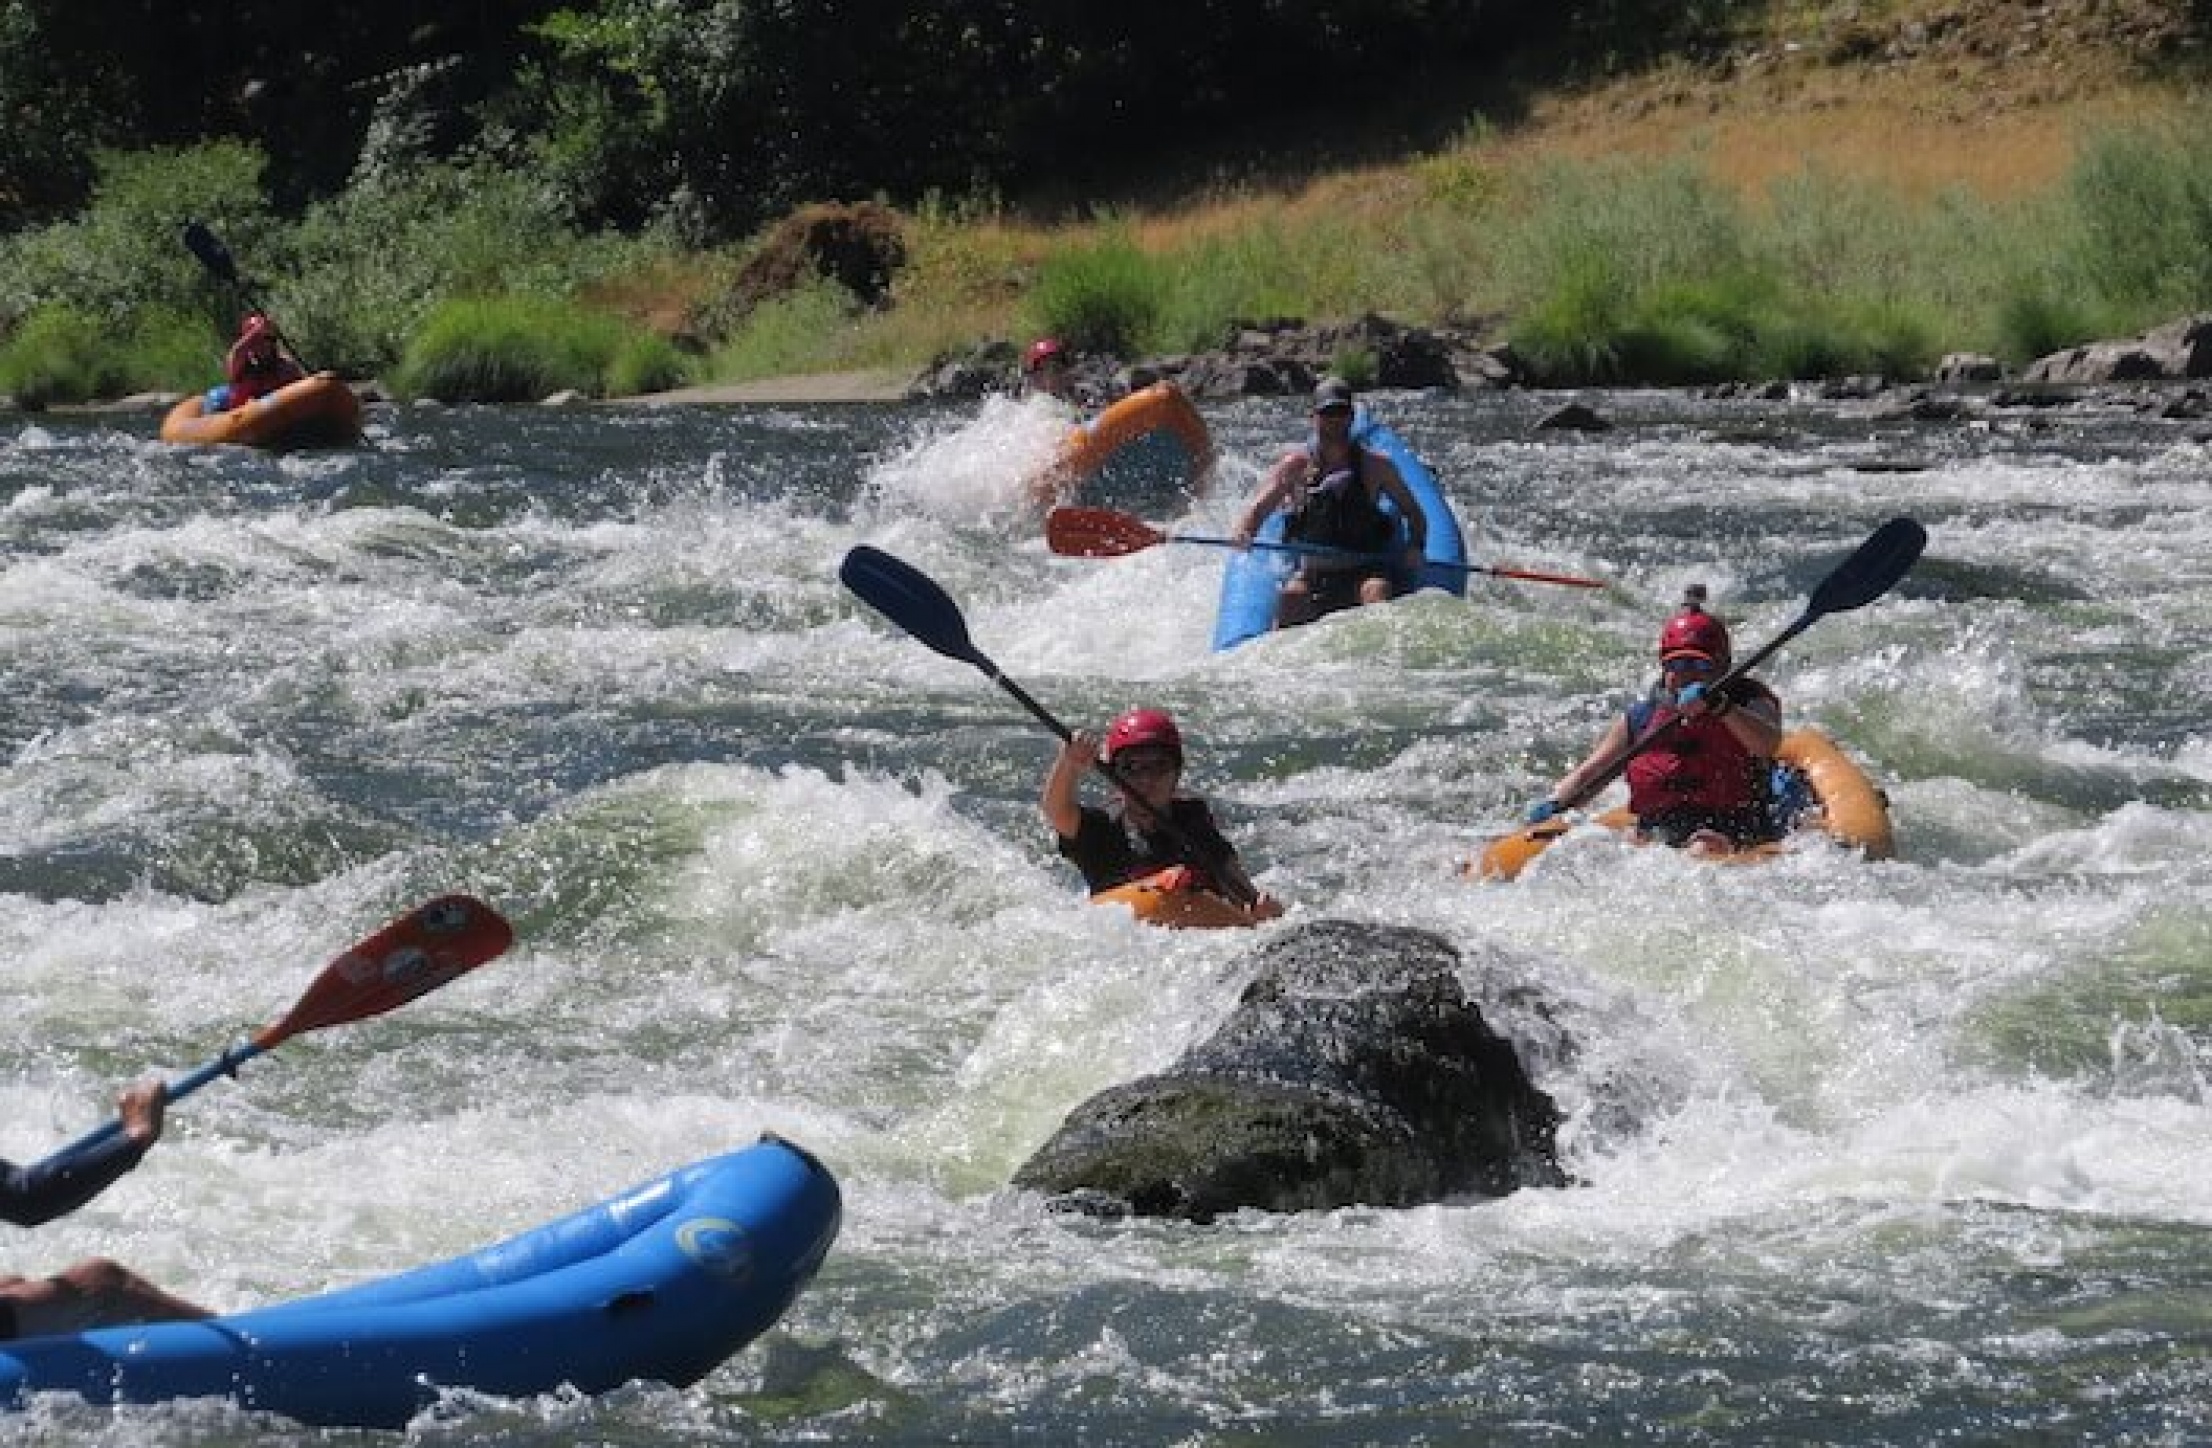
(1098, 533)
(414, 955)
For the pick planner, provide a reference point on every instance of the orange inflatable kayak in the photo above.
(317, 411)
(1172, 898)
(1836, 799)
(1152, 438)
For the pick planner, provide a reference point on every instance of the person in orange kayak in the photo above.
(95, 1292)
(1150, 827)
(1045, 369)
(1706, 784)
(1334, 488)
(257, 364)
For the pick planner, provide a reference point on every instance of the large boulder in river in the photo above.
(1353, 1071)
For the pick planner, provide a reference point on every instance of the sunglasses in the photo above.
(1687, 664)
(1145, 764)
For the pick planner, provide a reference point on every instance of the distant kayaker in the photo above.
(95, 1292)
(1706, 784)
(258, 364)
(1114, 845)
(1045, 369)
(1334, 489)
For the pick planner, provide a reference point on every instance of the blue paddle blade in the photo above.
(911, 599)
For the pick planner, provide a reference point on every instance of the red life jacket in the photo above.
(250, 379)
(1699, 765)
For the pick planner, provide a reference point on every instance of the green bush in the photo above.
(1107, 297)
(645, 362)
(520, 349)
(61, 355)
(811, 328)
(370, 265)
(2144, 200)
(124, 253)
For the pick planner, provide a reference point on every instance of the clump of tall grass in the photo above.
(816, 327)
(1106, 296)
(62, 354)
(521, 349)
(2143, 196)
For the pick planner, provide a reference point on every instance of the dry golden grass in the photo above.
(1889, 129)
(1922, 97)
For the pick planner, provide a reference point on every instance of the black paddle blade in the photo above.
(911, 599)
(209, 248)
(1886, 555)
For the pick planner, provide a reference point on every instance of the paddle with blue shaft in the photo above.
(216, 257)
(429, 946)
(1077, 532)
(1888, 553)
(913, 600)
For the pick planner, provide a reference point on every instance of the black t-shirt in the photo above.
(1110, 852)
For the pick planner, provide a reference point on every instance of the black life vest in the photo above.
(1340, 511)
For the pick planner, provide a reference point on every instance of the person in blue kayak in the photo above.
(95, 1292)
(1150, 827)
(257, 364)
(1334, 490)
(1707, 784)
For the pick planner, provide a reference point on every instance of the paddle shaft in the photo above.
(433, 944)
(1346, 555)
(208, 247)
(1102, 532)
(226, 1064)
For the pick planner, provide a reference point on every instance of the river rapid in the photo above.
(1886, 1153)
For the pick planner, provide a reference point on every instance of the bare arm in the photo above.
(1281, 480)
(1060, 804)
(1757, 725)
(1580, 777)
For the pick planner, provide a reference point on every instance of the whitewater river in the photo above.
(1865, 1153)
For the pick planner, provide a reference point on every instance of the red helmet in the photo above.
(1143, 728)
(255, 327)
(1041, 351)
(1694, 633)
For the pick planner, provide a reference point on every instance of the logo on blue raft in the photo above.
(718, 1245)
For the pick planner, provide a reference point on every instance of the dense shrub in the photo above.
(124, 252)
(1103, 297)
(522, 349)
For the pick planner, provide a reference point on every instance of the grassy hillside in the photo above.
(1830, 188)
(1951, 131)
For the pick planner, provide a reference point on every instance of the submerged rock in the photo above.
(1354, 1071)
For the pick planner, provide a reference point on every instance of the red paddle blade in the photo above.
(1098, 533)
(412, 956)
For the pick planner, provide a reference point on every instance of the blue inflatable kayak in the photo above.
(662, 1283)
(1250, 580)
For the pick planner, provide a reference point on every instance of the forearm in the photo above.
(1755, 730)
(57, 1186)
